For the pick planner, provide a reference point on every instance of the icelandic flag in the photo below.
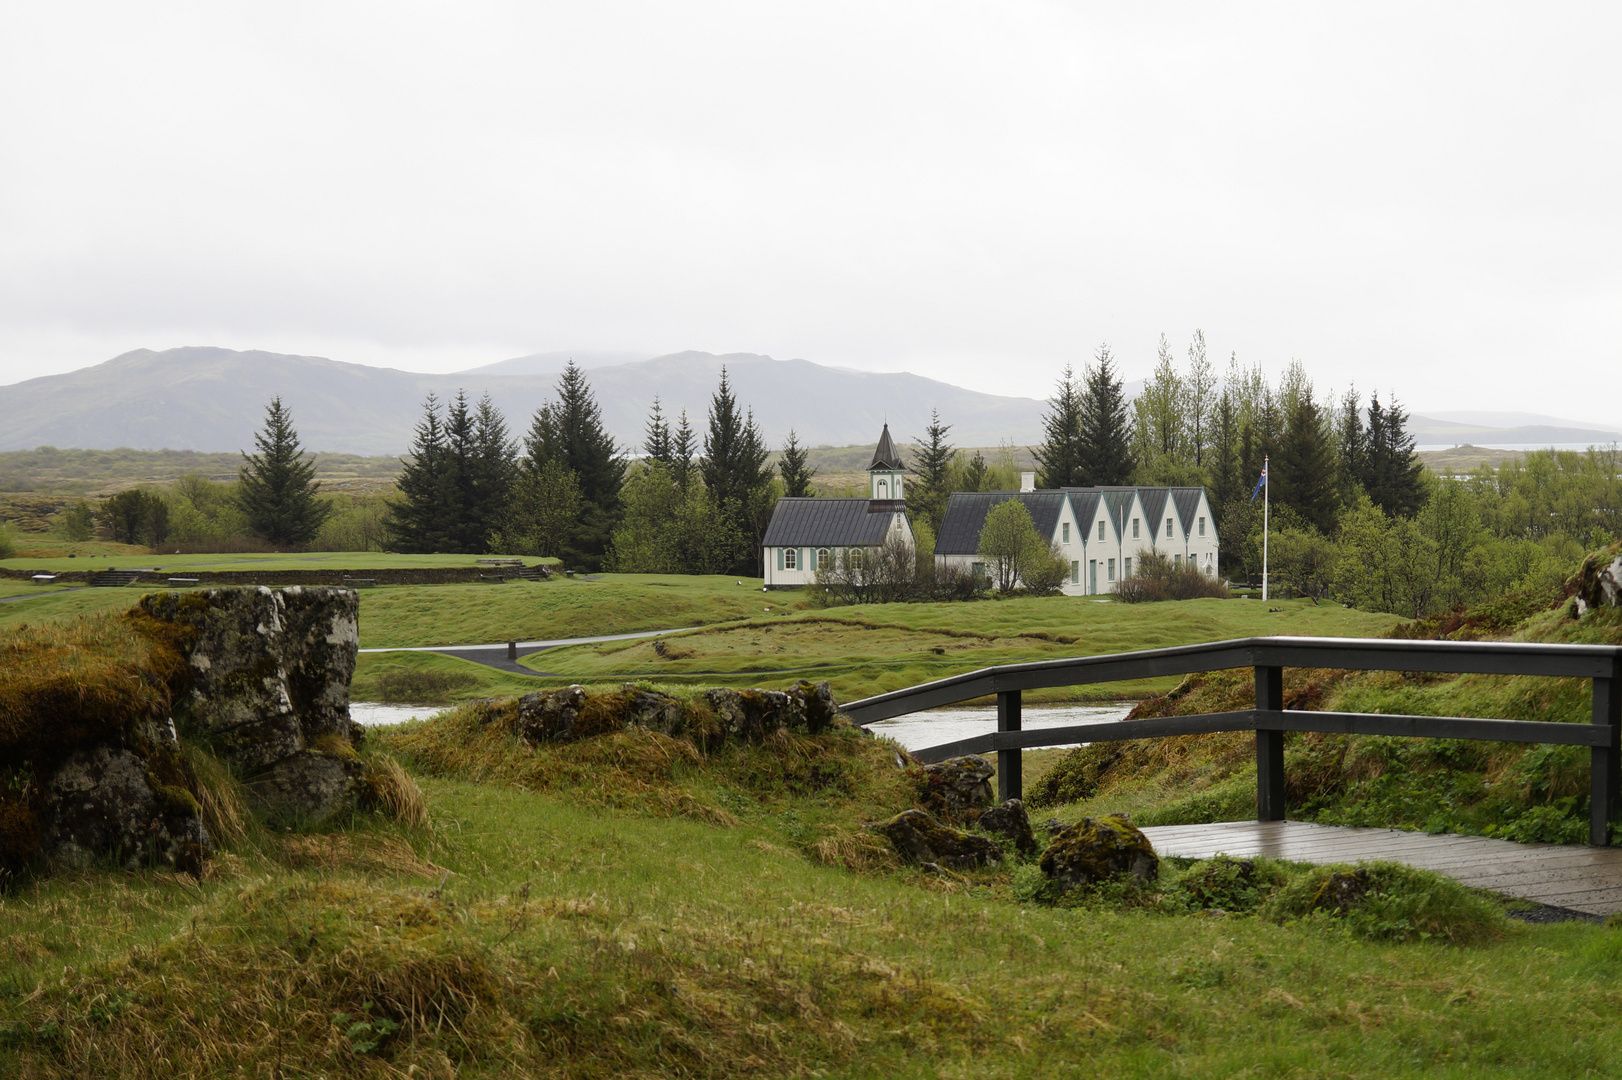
(1259, 484)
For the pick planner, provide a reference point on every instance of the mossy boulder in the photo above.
(1010, 822)
(1096, 849)
(1598, 582)
(958, 788)
(920, 838)
(308, 788)
(101, 803)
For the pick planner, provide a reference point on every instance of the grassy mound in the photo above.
(1510, 790)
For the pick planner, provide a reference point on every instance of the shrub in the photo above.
(1156, 578)
(1383, 901)
(1224, 883)
(421, 687)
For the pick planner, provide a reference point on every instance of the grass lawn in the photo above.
(869, 650)
(569, 940)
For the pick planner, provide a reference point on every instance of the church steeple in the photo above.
(884, 476)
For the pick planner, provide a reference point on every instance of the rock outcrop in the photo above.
(573, 713)
(1010, 822)
(1095, 849)
(958, 788)
(1598, 582)
(919, 838)
(105, 802)
(269, 691)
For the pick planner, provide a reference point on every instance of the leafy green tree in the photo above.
(77, 522)
(1158, 436)
(276, 486)
(1105, 433)
(932, 473)
(796, 473)
(1059, 458)
(135, 516)
(541, 515)
(1199, 388)
(1008, 542)
(668, 530)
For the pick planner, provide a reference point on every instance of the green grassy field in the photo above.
(870, 650)
(313, 560)
(527, 934)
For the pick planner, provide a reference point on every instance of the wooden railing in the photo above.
(1269, 656)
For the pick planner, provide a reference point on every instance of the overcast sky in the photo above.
(1419, 197)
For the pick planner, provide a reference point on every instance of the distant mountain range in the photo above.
(211, 399)
(204, 398)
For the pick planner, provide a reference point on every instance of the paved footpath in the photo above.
(1585, 879)
(496, 655)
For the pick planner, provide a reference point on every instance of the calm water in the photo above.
(913, 731)
(916, 731)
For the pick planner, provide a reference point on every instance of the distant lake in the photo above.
(915, 731)
(1427, 447)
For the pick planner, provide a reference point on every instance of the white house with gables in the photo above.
(807, 534)
(1102, 532)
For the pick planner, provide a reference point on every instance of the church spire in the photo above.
(884, 456)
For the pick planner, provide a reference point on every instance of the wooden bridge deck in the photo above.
(1586, 879)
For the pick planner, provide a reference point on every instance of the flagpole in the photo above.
(1267, 500)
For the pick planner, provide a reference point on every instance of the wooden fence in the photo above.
(1269, 656)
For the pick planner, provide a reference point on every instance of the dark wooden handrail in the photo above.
(1269, 656)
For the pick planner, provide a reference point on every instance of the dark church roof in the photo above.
(884, 455)
(818, 522)
(966, 515)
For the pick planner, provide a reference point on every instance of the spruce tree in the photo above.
(1106, 446)
(657, 444)
(931, 469)
(1391, 468)
(492, 472)
(1059, 458)
(1350, 446)
(796, 473)
(683, 448)
(734, 468)
(416, 520)
(278, 492)
(1223, 458)
(1304, 471)
(570, 432)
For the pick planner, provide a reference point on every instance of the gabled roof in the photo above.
(884, 455)
(817, 522)
(1119, 503)
(966, 515)
(1187, 500)
(1154, 507)
(1085, 503)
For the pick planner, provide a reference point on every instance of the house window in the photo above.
(854, 559)
(1177, 561)
(1066, 532)
(1126, 567)
(1112, 569)
(1202, 526)
(1075, 573)
(791, 558)
(824, 559)
(1168, 528)
(1134, 528)
(1101, 530)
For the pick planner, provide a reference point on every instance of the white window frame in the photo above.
(1112, 570)
(1134, 528)
(791, 558)
(1168, 528)
(1101, 530)
(825, 559)
(1202, 525)
(1065, 530)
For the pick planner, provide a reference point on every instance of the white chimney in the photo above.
(1027, 481)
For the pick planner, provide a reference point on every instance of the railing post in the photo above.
(1269, 747)
(1010, 784)
(1604, 773)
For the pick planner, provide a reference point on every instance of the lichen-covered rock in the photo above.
(307, 788)
(919, 838)
(1598, 582)
(1342, 890)
(820, 706)
(102, 802)
(959, 787)
(550, 715)
(1095, 849)
(653, 710)
(270, 667)
(1010, 822)
(751, 715)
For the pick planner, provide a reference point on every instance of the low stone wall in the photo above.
(442, 575)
